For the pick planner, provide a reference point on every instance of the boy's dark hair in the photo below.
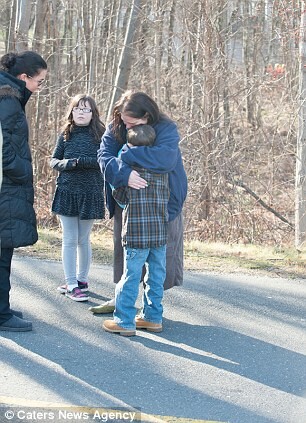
(28, 62)
(141, 135)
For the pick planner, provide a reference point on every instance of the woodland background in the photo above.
(227, 71)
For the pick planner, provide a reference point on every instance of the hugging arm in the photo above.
(162, 156)
(115, 171)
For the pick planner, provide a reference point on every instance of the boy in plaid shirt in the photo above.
(144, 237)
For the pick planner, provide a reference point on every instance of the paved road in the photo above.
(233, 350)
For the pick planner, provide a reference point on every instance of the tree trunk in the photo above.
(11, 33)
(23, 26)
(124, 65)
(300, 181)
(40, 18)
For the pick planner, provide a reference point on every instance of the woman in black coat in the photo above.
(20, 75)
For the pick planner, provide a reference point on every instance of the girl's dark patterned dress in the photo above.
(79, 189)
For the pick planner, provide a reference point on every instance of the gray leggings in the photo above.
(76, 248)
(174, 252)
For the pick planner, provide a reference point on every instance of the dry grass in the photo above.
(275, 261)
(199, 256)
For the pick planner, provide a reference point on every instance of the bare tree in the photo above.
(224, 70)
(300, 219)
(11, 27)
(40, 21)
(124, 65)
(23, 25)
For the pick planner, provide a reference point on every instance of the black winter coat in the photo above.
(17, 216)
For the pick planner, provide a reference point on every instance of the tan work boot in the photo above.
(144, 324)
(111, 326)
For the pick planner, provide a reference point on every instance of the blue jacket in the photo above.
(163, 157)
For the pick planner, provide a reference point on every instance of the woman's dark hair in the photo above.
(27, 62)
(96, 126)
(136, 105)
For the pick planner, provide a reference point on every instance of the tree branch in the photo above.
(261, 202)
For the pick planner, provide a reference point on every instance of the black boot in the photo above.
(15, 324)
(17, 313)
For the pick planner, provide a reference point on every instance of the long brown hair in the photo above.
(137, 105)
(96, 125)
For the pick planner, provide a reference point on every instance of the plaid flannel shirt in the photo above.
(145, 215)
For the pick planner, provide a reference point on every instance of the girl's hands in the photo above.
(135, 181)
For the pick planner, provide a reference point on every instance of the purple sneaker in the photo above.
(83, 286)
(77, 295)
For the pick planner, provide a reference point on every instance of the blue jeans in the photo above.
(126, 292)
(175, 250)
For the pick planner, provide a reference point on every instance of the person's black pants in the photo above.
(5, 284)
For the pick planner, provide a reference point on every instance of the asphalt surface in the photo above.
(233, 350)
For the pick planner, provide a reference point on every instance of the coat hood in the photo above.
(13, 87)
